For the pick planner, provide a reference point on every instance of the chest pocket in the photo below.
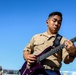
(39, 42)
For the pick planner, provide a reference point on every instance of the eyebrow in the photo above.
(56, 19)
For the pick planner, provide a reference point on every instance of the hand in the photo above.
(31, 59)
(70, 47)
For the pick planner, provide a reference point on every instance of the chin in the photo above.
(55, 32)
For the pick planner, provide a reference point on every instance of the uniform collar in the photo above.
(46, 34)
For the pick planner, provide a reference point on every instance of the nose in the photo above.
(56, 23)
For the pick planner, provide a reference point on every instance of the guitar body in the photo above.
(33, 70)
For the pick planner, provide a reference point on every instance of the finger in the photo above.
(30, 61)
(31, 57)
(68, 44)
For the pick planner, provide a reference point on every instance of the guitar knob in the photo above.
(30, 71)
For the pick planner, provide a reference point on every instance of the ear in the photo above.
(46, 21)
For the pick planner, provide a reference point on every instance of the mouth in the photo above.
(55, 27)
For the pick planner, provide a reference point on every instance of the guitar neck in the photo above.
(52, 51)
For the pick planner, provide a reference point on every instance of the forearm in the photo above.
(68, 59)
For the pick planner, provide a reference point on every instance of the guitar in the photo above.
(25, 70)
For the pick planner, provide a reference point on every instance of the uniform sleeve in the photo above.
(64, 53)
(30, 46)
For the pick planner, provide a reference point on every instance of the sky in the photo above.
(21, 19)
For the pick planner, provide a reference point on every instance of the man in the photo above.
(40, 42)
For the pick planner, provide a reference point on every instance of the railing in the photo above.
(10, 72)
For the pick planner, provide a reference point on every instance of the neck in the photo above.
(50, 33)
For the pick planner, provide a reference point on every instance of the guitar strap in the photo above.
(55, 43)
(57, 40)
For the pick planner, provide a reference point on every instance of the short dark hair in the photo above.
(55, 13)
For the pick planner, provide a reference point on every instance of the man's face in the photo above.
(54, 23)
